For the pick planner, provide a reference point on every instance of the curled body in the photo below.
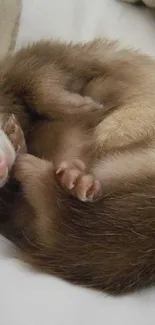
(85, 210)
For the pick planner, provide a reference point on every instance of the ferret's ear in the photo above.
(7, 157)
(3, 169)
(7, 149)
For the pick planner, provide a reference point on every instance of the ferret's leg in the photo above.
(115, 171)
(46, 89)
(108, 173)
(127, 167)
(54, 101)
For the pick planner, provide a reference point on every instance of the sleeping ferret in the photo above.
(85, 208)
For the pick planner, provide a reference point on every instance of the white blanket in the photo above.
(31, 298)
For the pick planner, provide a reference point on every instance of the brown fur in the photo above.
(108, 244)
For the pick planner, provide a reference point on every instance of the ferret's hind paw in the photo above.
(72, 176)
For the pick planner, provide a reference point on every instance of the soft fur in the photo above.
(106, 242)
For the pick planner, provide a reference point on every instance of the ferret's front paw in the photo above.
(72, 176)
(15, 134)
(90, 105)
(82, 104)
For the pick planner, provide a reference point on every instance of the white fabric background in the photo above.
(30, 298)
